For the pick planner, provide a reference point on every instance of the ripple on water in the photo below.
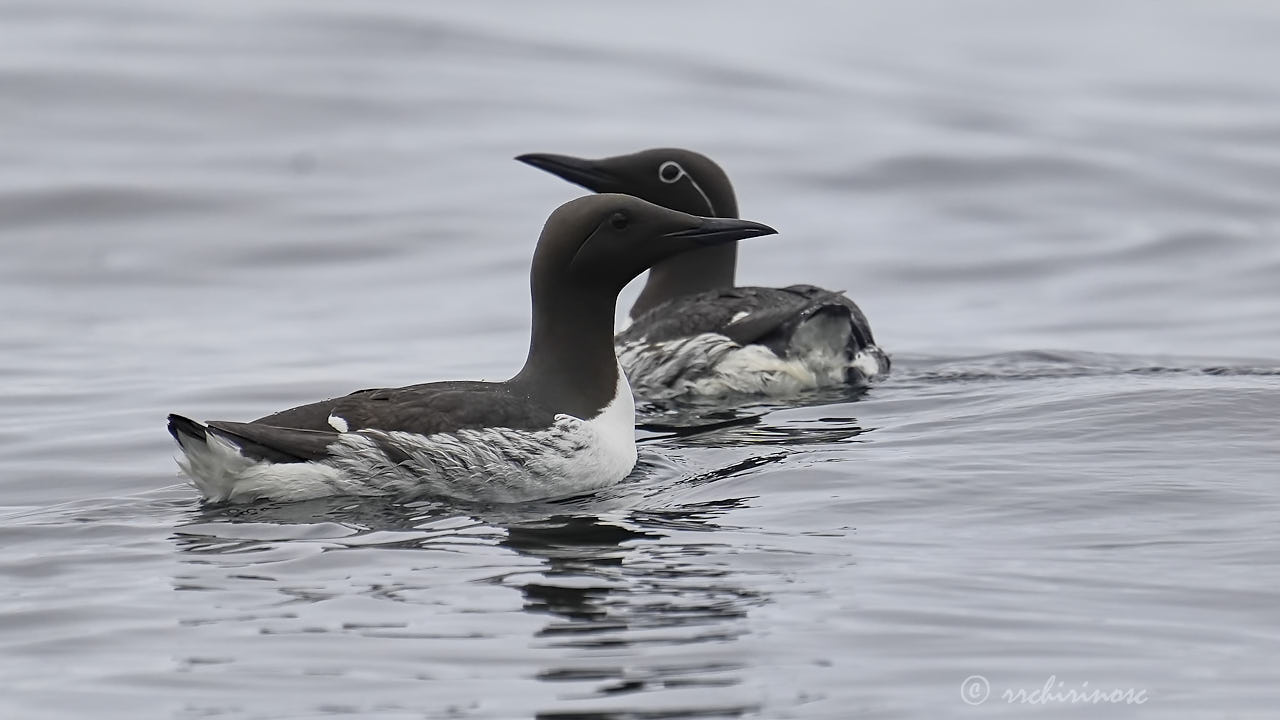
(228, 208)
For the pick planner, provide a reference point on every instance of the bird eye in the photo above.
(670, 171)
(619, 221)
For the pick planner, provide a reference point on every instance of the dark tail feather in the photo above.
(186, 430)
(275, 444)
(180, 427)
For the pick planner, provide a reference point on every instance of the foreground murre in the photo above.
(564, 424)
(691, 331)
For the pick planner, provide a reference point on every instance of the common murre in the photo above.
(564, 424)
(691, 331)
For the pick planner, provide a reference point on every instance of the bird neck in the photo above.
(688, 273)
(571, 363)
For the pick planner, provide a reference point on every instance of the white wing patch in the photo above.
(740, 315)
(338, 423)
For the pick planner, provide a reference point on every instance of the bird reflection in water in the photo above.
(660, 577)
(640, 586)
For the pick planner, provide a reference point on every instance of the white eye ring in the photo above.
(670, 164)
(681, 174)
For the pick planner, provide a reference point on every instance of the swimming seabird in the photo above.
(564, 424)
(691, 331)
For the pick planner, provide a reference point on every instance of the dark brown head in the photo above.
(671, 177)
(602, 242)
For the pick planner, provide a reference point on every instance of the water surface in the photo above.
(1061, 218)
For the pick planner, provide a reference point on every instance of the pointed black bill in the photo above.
(578, 171)
(716, 231)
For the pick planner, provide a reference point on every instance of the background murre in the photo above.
(563, 424)
(691, 331)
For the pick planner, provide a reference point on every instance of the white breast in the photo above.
(611, 435)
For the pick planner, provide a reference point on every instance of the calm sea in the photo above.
(1063, 219)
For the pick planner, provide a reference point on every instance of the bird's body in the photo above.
(563, 425)
(775, 342)
(451, 440)
(692, 332)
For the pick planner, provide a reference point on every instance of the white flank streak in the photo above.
(337, 423)
(738, 316)
(712, 365)
(492, 464)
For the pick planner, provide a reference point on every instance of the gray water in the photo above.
(1063, 219)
